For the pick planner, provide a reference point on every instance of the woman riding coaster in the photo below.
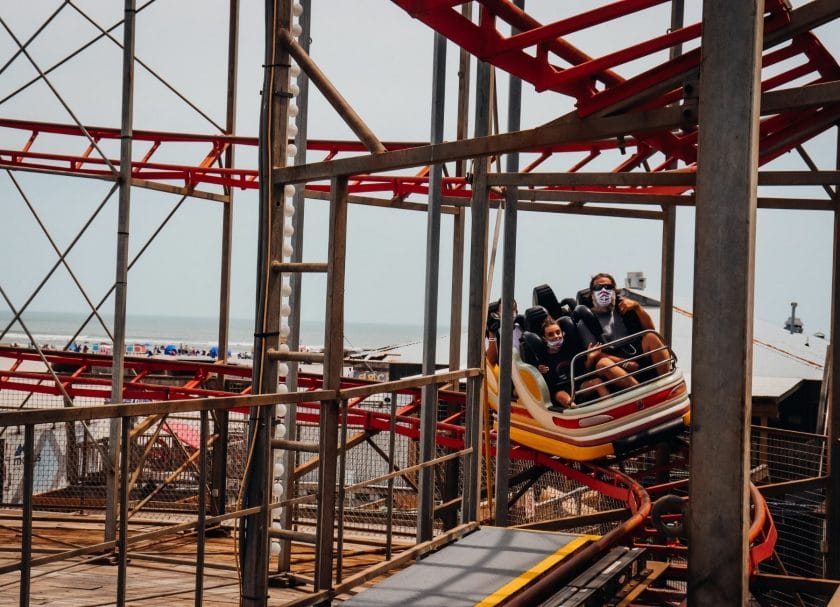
(553, 355)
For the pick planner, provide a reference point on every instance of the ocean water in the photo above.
(57, 328)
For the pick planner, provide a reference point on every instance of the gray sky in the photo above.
(380, 59)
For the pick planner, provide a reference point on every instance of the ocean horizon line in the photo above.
(6, 316)
(58, 329)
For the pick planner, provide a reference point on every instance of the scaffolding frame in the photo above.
(604, 122)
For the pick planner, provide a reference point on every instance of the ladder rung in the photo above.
(294, 445)
(298, 357)
(288, 266)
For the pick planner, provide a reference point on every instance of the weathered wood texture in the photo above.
(724, 266)
(160, 572)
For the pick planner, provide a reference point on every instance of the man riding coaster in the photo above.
(604, 317)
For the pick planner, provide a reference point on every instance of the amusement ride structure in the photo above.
(281, 457)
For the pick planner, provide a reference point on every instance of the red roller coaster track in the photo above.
(793, 55)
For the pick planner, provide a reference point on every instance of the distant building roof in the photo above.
(776, 352)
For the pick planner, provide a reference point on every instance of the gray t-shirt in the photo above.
(612, 325)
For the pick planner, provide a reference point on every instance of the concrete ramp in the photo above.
(479, 569)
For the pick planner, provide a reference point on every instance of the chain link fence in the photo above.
(781, 456)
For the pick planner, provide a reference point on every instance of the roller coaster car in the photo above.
(654, 410)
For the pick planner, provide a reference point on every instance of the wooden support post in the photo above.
(334, 360)
(291, 459)
(320, 80)
(723, 297)
(274, 118)
(833, 497)
(26, 520)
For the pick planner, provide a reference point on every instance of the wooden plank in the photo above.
(568, 130)
(662, 178)
(655, 569)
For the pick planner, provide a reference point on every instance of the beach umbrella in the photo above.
(214, 351)
(170, 350)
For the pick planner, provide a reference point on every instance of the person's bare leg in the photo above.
(614, 375)
(594, 388)
(658, 353)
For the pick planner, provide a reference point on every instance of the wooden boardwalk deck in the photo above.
(159, 573)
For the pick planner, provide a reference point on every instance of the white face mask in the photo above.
(554, 345)
(604, 298)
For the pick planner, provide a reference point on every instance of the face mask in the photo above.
(604, 297)
(554, 345)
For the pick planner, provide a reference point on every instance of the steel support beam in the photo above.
(122, 536)
(456, 306)
(723, 297)
(669, 222)
(458, 219)
(428, 416)
(227, 208)
(121, 280)
(26, 514)
(505, 344)
(452, 468)
(201, 531)
(218, 488)
(477, 298)
(666, 289)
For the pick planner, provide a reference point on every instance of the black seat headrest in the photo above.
(544, 296)
(534, 317)
(584, 297)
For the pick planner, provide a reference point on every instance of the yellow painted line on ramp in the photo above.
(537, 570)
